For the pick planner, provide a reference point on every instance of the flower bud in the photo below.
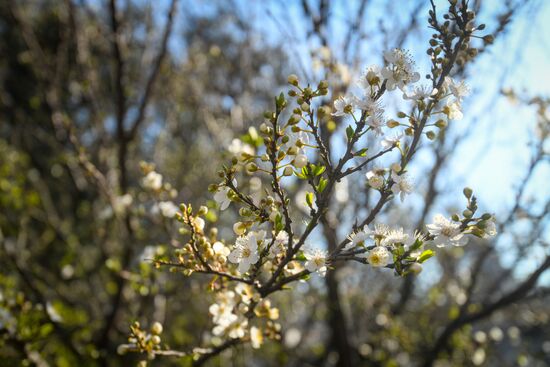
(288, 171)
(467, 192)
(294, 119)
(156, 328)
(244, 212)
(430, 135)
(300, 161)
(203, 210)
(251, 167)
(401, 114)
(304, 106)
(264, 128)
(323, 84)
(467, 213)
(239, 228)
(415, 268)
(392, 123)
(441, 123)
(292, 150)
(155, 339)
(396, 167)
(489, 38)
(293, 79)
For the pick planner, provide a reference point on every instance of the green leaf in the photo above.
(349, 132)
(425, 256)
(279, 223)
(361, 153)
(309, 199)
(280, 102)
(318, 170)
(416, 245)
(300, 175)
(300, 256)
(322, 184)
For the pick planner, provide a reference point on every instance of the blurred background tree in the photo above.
(90, 89)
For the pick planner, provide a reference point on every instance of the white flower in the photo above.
(459, 90)
(389, 142)
(395, 236)
(375, 177)
(246, 252)
(400, 69)
(152, 181)
(370, 77)
(376, 122)
(245, 291)
(343, 105)
(368, 104)
(222, 196)
(279, 244)
(420, 93)
(220, 249)
(224, 307)
(380, 231)
(490, 229)
(358, 238)
(295, 144)
(256, 337)
(167, 208)
(379, 256)
(446, 232)
(374, 180)
(199, 224)
(232, 325)
(402, 185)
(316, 261)
(413, 237)
(452, 110)
(237, 329)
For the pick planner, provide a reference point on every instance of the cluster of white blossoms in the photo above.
(247, 248)
(447, 232)
(399, 74)
(376, 245)
(226, 317)
(399, 70)
(228, 314)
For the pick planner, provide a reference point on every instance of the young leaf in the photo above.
(425, 256)
(349, 132)
(309, 199)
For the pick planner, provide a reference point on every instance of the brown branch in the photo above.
(155, 72)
